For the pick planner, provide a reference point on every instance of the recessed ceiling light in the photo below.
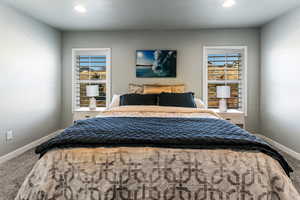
(80, 8)
(228, 3)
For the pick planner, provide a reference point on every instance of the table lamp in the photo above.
(223, 92)
(92, 91)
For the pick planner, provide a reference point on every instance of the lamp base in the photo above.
(93, 104)
(223, 105)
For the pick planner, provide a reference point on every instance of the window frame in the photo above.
(108, 74)
(244, 75)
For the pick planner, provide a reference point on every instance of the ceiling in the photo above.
(153, 14)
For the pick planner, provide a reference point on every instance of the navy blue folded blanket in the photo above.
(191, 133)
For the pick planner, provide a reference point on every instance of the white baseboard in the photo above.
(283, 148)
(27, 147)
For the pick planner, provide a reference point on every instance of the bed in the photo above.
(126, 170)
(132, 160)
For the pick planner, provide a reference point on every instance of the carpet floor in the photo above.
(13, 173)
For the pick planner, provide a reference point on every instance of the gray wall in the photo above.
(280, 81)
(189, 68)
(30, 79)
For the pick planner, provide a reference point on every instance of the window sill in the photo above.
(233, 111)
(87, 109)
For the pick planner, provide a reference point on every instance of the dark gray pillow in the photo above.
(177, 99)
(138, 99)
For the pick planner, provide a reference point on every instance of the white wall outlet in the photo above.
(9, 135)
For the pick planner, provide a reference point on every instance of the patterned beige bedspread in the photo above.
(156, 173)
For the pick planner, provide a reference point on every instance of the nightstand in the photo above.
(86, 113)
(234, 116)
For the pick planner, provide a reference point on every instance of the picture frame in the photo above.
(156, 63)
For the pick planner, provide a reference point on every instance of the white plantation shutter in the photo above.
(226, 67)
(90, 70)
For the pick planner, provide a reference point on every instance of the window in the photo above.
(225, 66)
(91, 67)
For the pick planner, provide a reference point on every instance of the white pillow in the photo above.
(199, 103)
(115, 102)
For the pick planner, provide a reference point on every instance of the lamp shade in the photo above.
(92, 90)
(223, 92)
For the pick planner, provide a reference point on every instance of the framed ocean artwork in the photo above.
(156, 63)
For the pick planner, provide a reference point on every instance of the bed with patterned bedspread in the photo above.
(151, 152)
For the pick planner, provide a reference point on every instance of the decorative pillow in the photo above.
(178, 88)
(156, 89)
(199, 103)
(138, 99)
(177, 99)
(115, 102)
(136, 89)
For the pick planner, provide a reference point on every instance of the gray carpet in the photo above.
(13, 173)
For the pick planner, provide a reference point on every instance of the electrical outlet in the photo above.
(9, 135)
